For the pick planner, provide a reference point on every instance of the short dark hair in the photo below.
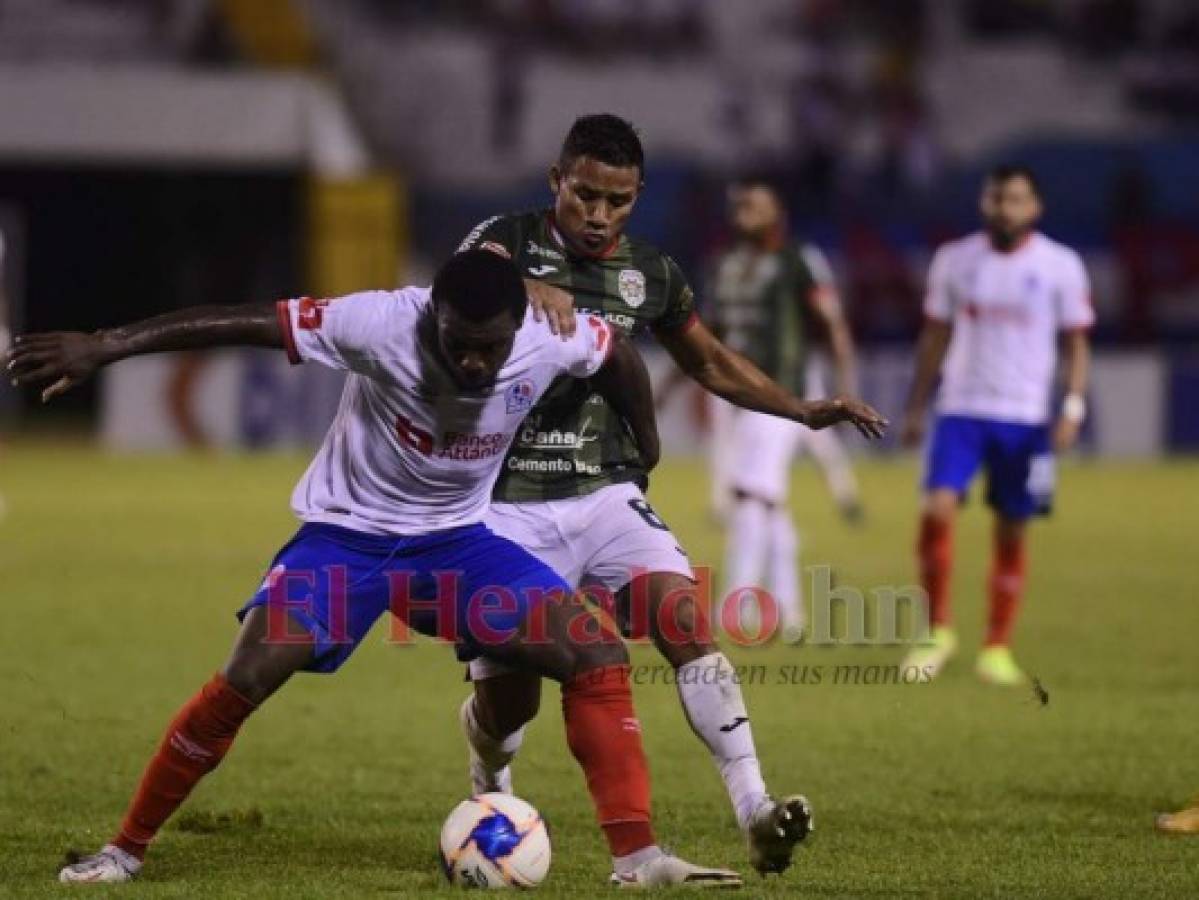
(605, 138)
(758, 180)
(479, 284)
(1007, 171)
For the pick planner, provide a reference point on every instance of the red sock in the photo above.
(1005, 585)
(196, 741)
(605, 737)
(935, 551)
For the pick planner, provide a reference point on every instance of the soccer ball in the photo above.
(495, 841)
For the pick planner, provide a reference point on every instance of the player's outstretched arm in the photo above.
(60, 360)
(730, 375)
(930, 353)
(624, 382)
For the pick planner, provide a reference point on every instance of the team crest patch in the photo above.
(519, 397)
(631, 284)
(496, 248)
(310, 313)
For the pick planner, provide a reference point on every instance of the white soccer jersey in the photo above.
(1006, 310)
(411, 452)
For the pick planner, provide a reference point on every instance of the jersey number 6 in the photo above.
(643, 509)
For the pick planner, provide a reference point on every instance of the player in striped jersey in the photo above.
(572, 487)
(767, 290)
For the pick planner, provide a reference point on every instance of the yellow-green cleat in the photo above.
(930, 658)
(996, 666)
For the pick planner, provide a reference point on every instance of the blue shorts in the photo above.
(466, 585)
(1018, 458)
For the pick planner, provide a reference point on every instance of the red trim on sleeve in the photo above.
(692, 321)
(283, 312)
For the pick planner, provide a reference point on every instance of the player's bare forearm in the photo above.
(825, 300)
(62, 359)
(930, 353)
(624, 383)
(731, 376)
(844, 357)
(1076, 353)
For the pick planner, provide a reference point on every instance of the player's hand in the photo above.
(552, 304)
(1065, 434)
(60, 359)
(863, 417)
(911, 435)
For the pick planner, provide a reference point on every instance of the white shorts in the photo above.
(603, 537)
(760, 460)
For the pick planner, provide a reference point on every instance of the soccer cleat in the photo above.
(1185, 821)
(666, 869)
(996, 666)
(483, 779)
(111, 864)
(931, 658)
(775, 829)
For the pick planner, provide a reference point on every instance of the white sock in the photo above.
(746, 546)
(494, 754)
(783, 575)
(712, 701)
(828, 451)
(623, 865)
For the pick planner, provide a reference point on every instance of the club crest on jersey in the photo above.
(631, 284)
(310, 313)
(519, 397)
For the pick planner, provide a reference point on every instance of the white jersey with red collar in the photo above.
(411, 452)
(1006, 310)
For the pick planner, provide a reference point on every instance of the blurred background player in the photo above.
(996, 304)
(768, 290)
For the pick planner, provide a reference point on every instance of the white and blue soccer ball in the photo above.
(495, 841)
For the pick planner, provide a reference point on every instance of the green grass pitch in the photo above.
(119, 577)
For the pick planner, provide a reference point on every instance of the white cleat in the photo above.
(111, 864)
(666, 869)
(483, 779)
(775, 829)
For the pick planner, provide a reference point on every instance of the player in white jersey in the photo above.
(392, 507)
(998, 303)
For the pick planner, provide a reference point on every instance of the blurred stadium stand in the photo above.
(160, 152)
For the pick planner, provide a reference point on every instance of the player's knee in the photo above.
(608, 651)
(250, 679)
(258, 674)
(678, 625)
(941, 505)
(742, 496)
(500, 719)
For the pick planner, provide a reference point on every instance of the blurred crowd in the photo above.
(865, 112)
